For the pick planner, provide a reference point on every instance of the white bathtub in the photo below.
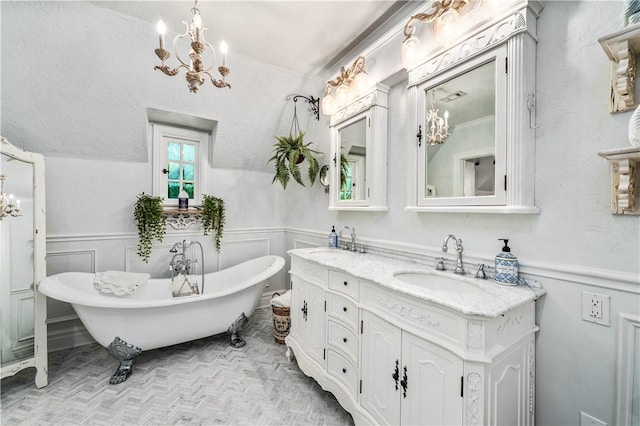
(151, 318)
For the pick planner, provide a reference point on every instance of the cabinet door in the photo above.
(433, 383)
(380, 356)
(308, 322)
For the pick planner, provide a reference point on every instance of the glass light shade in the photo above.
(410, 52)
(361, 84)
(328, 105)
(342, 94)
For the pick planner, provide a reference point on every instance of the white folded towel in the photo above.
(283, 301)
(119, 283)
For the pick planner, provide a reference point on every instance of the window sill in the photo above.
(182, 219)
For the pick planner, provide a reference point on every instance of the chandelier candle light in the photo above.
(444, 12)
(348, 85)
(195, 67)
(438, 128)
(10, 206)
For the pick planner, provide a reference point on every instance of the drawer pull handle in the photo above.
(346, 283)
(344, 370)
(344, 309)
(344, 339)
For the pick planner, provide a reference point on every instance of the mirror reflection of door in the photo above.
(16, 271)
(353, 144)
(469, 101)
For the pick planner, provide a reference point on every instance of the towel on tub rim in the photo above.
(119, 283)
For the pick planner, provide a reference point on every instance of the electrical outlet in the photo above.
(595, 308)
(587, 420)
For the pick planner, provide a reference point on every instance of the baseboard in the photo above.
(71, 335)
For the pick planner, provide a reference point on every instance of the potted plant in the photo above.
(213, 217)
(148, 214)
(288, 153)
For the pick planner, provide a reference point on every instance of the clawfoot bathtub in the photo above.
(151, 318)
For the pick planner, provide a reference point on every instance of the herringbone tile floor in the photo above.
(204, 382)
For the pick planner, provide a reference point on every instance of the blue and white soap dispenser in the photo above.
(506, 265)
(333, 238)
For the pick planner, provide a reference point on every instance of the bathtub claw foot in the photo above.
(234, 329)
(125, 353)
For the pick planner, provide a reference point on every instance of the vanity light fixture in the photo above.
(10, 206)
(438, 128)
(349, 84)
(195, 66)
(444, 12)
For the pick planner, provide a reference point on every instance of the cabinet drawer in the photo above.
(344, 339)
(344, 284)
(344, 309)
(340, 368)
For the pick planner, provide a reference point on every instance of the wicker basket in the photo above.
(281, 322)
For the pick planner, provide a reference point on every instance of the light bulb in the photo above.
(361, 83)
(161, 30)
(197, 20)
(409, 52)
(342, 94)
(224, 49)
(328, 105)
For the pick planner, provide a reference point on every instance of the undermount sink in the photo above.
(438, 282)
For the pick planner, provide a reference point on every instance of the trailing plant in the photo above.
(213, 217)
(148, 214)
(288, 153)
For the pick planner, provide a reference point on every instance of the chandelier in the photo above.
(10, 207)
(349, 84)
(438, 128)
(444, 12)
(195, 66)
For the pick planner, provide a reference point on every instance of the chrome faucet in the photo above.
(458, 242)
(181, 265)
(353, 236)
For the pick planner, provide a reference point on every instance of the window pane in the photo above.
(189, 188)
(187, 171)
(174, 170)
(173, 189)
(173, 151)
(188, 152)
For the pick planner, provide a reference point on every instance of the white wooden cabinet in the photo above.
(393, 358)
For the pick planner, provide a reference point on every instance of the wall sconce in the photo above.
(438, 128)
(10, 207)
(444, 12)
(349, 84)
(314, 104)
(195, 66)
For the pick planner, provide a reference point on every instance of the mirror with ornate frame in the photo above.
(359, 153)
(22, 244)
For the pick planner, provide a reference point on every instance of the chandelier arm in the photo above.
(168, 71)
(218, 83)
(175, 42)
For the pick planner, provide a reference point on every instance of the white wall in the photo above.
(77, 88)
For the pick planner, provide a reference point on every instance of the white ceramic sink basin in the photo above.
(438, 282)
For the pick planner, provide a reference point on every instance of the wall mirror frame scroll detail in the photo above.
(483, 87)
(23, 309)
(359, 153)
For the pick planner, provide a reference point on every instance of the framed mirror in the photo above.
(461, 159)
(359, 154)
(22, 246)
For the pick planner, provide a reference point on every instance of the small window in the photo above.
(179, 163)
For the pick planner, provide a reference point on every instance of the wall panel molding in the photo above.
(627, 367)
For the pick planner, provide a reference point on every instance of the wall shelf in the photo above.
(622, 48)
(624, 176)
(182, 219)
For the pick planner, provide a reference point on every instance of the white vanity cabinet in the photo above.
(393, 353)
(408, 380)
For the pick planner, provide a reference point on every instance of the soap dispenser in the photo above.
(183, 200)
(333, 237)
(506, 265)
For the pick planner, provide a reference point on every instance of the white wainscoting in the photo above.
(628, 370)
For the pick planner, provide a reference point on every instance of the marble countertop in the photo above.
(483, 298)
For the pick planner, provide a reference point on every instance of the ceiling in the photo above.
(304, 36)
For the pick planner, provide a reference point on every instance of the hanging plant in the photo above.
(213, 217)
(344, 171)
(148, 214)
(289, 152)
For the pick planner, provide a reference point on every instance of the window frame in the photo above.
(161, 135)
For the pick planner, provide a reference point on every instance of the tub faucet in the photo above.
(458, 242)
(353, 236)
